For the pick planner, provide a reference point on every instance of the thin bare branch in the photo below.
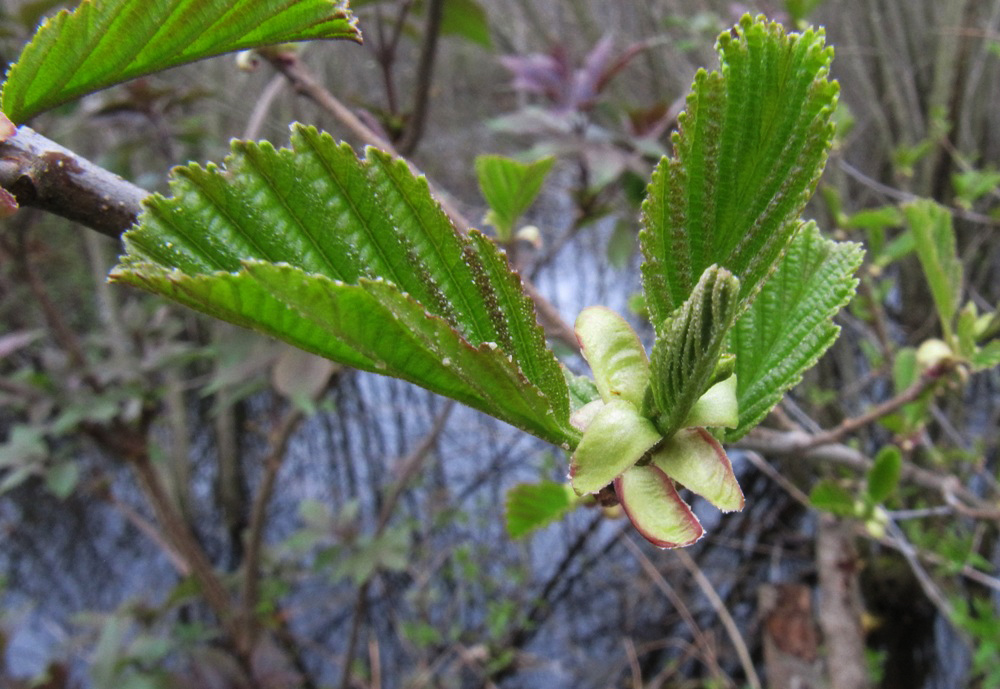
(304, 82)
(422, 87)
(723, 612)
(278, 448)
(911, 394)
(707, 649)
(149, 529)
(905, 196)
(770, 442)
(970, 573)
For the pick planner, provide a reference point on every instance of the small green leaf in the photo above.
(831, 497)
(655, 509)
(25, 446)
(582, 390)
(875, 219)
(688, 347)
(106, 42)
(790, 324)
(717, 408)
(621, 245)
(935, 244)
(904, 368)
(971, 185)
(965, 330)
(15, 477)
(466, 19)
(905, 371)
(693, 458)
(615, 354)
(61, 478)
(897, 249)
(531, 506)
(509, 188)
(301, 377)
(616, 438)
(986, 357)
(884, 475)
(749, 151)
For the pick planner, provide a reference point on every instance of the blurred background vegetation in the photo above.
(359, 521)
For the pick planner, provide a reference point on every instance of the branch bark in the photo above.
(42, 174)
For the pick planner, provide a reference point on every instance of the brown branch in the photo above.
(422, 88)
(911, 394)
(728, 623)
(60, 329)
(705, 646)
(278, 442)
(770, 442)
(410, 465)
(131, 445)
(967, 571)
(387, 49)
(42, 174)
(147, 528)
(360, 607)
(302, 80)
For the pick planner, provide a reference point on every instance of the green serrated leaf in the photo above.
(531, 506)
(516, 326)
(790, 324)
(510, 187)
(352, 260)
(106, 42)
(934, 238)
(749, 151)
(884, 475)
(684, 358)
